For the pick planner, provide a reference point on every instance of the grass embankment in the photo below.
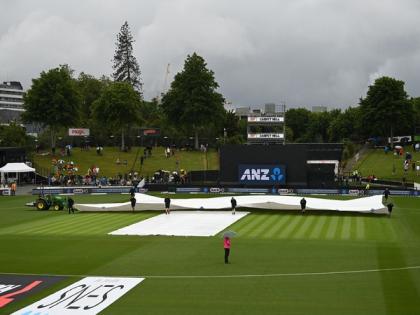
(268, 242)
(188, 160)
(377, 163)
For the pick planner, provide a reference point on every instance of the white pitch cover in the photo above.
(88, 296)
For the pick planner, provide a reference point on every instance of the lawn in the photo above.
(188, 160)
(381, 165)
(281, 262)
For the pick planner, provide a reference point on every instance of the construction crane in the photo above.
(165, 83)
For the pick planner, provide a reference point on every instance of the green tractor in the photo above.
(48, 201)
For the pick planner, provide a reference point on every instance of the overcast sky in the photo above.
(301, 52)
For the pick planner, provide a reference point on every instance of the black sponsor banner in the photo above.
(17, 287)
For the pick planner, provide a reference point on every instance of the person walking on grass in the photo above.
(303, 205)
(389, 206)
(70, 203)
(386, 194)
(233, 204)
(167, 205)
(226, 246)
(133, 202)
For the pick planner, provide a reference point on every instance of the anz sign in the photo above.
(262, 174)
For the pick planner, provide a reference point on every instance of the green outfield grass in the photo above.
(270, 260)
(380, 164)
(188, 160)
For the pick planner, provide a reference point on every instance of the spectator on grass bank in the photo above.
(70, 203)
(133, 202)
(367, 188)
(406, 163)
(226, 246)
(167, 205)
(303, 205)
(233, 204)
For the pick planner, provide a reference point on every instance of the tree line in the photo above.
(193, 107)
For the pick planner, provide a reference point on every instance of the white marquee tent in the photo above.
(15, 168)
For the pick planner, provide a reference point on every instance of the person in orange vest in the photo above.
(13, 188)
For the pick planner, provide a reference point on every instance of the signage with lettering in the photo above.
(89, 296)
(265, 135)
(262, 174)
(263, 119)
(79, 132)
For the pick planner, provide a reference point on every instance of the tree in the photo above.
(192, 101)
(345, 126)
(126, 68)
(118, 108)
(53, 101)
(297, 119)
(90, 90)
(386, 110)
(13, 135)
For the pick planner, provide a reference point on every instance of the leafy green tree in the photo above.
(192, 102)
(231, 124)
(118, 108)
(386, 110)
(53, 101)
(416, 107)
(126, 68)
(90, 89)
(13, 135)
(297, 119)
(346, 125)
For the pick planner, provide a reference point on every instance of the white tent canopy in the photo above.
(15, 168)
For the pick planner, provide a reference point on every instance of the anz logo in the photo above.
(261, 173)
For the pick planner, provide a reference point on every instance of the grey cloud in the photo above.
(302, 52)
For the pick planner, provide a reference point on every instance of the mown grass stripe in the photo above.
(67, 223)
(331, 227)
(250, 226)
(242, 222)
(318, 227)
(387, 228)
(337, 234)
(269, 220)
(72, 224)
(16, 229)
(258, 226)
(287, 232)
(301, 230)
(40, 227)
(117, 224)
(345, 232)
(360, 228)
(276, 228)
(84, 225)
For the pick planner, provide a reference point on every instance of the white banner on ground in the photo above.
(88, 296)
